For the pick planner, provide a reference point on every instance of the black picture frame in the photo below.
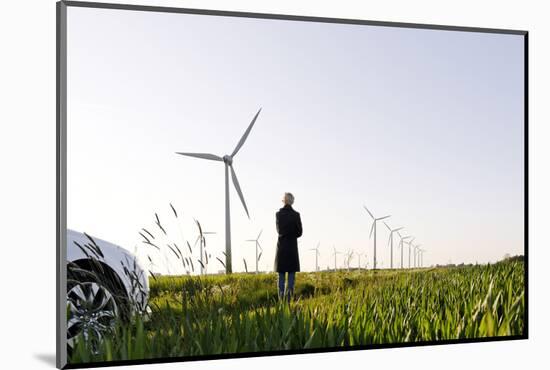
(61, 171)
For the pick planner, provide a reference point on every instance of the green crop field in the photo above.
(221, 314)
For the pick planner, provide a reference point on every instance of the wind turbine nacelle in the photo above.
(228, 159)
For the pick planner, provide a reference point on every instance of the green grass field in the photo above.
(193, 316)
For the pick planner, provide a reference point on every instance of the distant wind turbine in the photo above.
(402, 239)
(258, 246)
(422, 257)
(359, 258)
(316, 249)
(202, 239)
(335, 253)
(416, 251)
(349, 256)
(373, 229)
(390, 241)
(409, 243)
(228, 162)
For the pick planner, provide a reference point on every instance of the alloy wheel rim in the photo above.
(92, 312)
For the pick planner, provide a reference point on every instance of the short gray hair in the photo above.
(290, 198)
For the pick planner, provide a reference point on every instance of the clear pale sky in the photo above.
(425, 125)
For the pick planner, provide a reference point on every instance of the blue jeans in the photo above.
(290, 284)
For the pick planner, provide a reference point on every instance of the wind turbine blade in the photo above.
(261, 231)
(368, 212)
(381, 218)
(245, 135)
(209, 156)
(397, 230)
(389, 228)
(372, 229)
(199, 226)
(238, 188)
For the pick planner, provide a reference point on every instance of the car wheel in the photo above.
(92, 310)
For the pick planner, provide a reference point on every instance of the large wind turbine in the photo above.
(228, 162)
(316, 249)
(402, 238)
(373, 229)
(335, 253)
(257, 242)
(390, 241)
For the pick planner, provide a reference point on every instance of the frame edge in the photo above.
(287, 17)
(61, 194)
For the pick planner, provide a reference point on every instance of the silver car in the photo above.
(105, 283)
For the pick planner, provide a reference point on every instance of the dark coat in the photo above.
(289, 228)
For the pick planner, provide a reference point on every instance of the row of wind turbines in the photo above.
(228, 161)
(348, 256)
(417, 252)
(201, 238)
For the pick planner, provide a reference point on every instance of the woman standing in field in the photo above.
(289, 229)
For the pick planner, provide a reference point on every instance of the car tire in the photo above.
(94, 304)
